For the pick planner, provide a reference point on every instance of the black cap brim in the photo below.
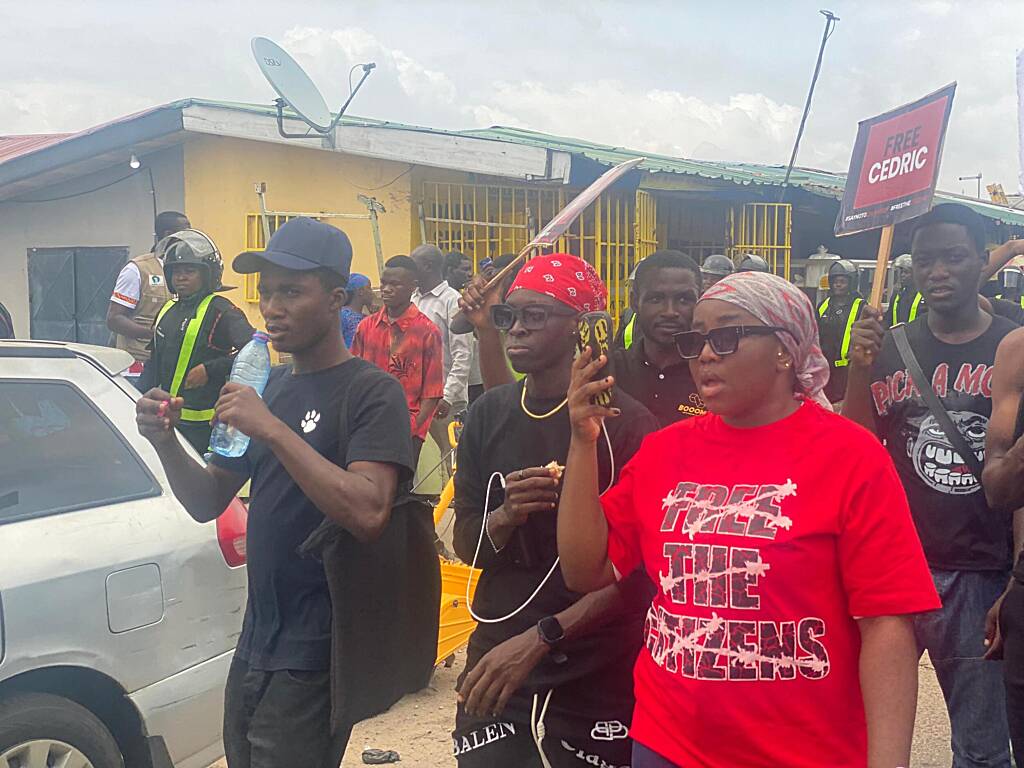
(249, 262)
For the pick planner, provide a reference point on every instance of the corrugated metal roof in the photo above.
(825, 183)
(818, 182)
(15, 146)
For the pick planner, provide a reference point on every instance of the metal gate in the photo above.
(763, 229)
(260, 227)
(480, 220)
(645, 242)
(485, 220)
(69, 292)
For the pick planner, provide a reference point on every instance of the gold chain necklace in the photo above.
(552, 412)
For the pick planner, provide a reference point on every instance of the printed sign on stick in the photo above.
(895, 164)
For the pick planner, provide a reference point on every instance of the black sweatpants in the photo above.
(280, 719)
(1011, 626)
(579, 729)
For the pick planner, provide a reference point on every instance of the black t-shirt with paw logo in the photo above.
(351, 412)
(957, 529)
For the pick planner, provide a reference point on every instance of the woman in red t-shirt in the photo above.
(778, 537)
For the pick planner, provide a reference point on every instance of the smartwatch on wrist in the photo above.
(551, 634)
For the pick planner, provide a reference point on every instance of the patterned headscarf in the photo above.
(565, 278)
(778, 302)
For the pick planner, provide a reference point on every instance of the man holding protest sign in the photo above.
(925, 389)
(937, 447)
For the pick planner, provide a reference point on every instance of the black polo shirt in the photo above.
(669, 393)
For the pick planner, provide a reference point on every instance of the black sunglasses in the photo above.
(723, 341)
(533, 317)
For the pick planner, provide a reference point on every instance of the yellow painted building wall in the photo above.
(220, 178)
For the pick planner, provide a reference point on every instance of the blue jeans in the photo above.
(973, 688)
(645, 757)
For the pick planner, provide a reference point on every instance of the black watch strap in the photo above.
(550, 630)
(551, 634)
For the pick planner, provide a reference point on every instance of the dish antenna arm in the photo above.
(281, 104)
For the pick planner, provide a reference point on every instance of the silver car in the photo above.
(118, 612)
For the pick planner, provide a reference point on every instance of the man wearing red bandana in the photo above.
(548, 674)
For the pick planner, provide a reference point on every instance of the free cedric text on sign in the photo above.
(895, 164)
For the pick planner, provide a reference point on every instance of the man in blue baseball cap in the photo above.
(330, 451)
(359, 300)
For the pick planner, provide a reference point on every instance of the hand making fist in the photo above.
(866, 338)
(157, 414)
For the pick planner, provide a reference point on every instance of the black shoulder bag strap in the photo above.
(924, 386)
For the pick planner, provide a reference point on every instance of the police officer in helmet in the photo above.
(907, 302)
(753, 263)
(836, 316)
(715, 267)
(196, 334)
(1013, 290)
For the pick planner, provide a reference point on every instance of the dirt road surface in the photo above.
(418, 727)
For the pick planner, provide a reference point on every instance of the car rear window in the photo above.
(59, 453)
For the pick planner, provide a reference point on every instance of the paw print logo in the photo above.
(556, 263)
(572, 291)
(579, 276)
(549, 278)
(310, 421)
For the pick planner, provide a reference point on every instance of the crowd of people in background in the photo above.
(726, 542)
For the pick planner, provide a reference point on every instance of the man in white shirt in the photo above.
(440, 302)
(458, 269)
(139, 294)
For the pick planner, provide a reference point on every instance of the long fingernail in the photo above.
(616, 412)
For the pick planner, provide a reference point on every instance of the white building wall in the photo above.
(118, 215)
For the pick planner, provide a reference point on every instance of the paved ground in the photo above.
(418, 727)
(931, 732)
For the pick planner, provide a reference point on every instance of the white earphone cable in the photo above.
(554, 565)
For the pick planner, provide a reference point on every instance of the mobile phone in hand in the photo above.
(595, 332)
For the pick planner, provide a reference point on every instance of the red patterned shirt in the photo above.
(409, 348)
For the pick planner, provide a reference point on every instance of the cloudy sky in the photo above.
(710, 80)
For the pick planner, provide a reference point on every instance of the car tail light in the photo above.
(231, 533)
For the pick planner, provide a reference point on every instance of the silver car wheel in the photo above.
(44, 753)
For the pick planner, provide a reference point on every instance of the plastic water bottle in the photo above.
(252, 368)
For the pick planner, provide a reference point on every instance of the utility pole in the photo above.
(976, 177)
(830, 24)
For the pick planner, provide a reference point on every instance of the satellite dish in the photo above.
(295, 89)
(292, 84)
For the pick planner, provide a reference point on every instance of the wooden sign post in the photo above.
(884, 249)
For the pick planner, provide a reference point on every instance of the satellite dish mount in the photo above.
(295, 89)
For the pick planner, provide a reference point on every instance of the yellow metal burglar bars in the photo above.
(260, 227)
(645, 242)
(255, 240)
(482, 220)
(763, 229)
